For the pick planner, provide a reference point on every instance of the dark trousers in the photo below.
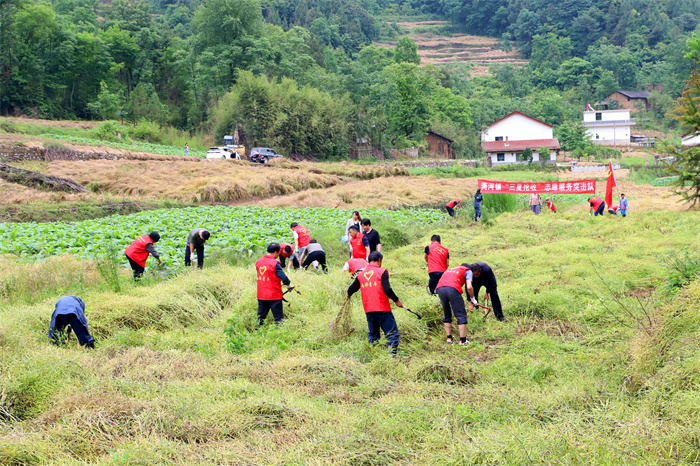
(452, 301)
(450, 211)
(138, 270)
(600, 210)
(295, 262)
(433, 281)
(200, 255)
(477, 213)
(265, 306)
(385, 322)
(319, 256)
(489, 282)
(64, 320)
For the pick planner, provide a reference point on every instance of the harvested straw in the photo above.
(342, 327)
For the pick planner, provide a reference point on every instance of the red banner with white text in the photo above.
(554, 187)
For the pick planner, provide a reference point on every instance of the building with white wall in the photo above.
(504, 140)
(608, 126)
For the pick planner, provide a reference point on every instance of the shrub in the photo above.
(147, 131)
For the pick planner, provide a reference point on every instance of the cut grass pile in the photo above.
(180, 376)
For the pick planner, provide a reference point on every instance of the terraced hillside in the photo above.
(476, 51)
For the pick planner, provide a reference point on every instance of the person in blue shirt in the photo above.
(623, 205)
(70, 314)
(478, 199)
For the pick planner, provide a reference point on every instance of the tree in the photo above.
(687, 112)
(108, 104)
(404, 92)
(527, 155)
(573, 136)
(406, 51)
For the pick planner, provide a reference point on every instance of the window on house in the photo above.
(500, 157)
(499, 138)
(628, 99)
(596, 136)
(519, 158)
(598, 116)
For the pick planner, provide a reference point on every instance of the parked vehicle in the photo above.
(263, 154)
(237, 150)
(225, 152)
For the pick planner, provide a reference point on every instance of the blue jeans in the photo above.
(200, 256)
(477, 213)
(623, 212)
(600, 210)
(386, 322)
(536, 209)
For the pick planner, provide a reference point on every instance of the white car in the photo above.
(219, 153)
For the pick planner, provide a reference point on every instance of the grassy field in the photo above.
(598, 362)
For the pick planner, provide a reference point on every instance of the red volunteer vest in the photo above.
(437, 258)
(596, 201)
(550, 204)
(269, 284)
(373, 297)
(451, 204)
(283, 254)
(359, 251)
(453, 277)
(357, 264)
(137, 250)
(303, 233)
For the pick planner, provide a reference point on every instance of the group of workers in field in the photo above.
(597, 205)
(364, 265)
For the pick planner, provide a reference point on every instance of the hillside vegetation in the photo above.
(597, 363)
(306, 79)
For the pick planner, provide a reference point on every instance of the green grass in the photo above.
(180, 376)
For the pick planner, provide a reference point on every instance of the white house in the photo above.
(608, 126)
(690, 139)
(504, 140)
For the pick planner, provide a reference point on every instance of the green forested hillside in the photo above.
(174, 63)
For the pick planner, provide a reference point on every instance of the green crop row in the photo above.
(132, 145)
(240, 230)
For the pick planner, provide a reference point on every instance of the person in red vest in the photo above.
(438, 258)
(359, 243)
(373, 283)
(302, 238)
(286, 252)
(354, 266)
(138, 252)
(450, 206)
(449, 289)
(550, 204)
(597, 206)
(270, 278)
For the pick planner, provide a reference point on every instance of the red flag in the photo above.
(611, 184)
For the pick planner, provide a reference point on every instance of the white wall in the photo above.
(607, 115)
(511, 157)
(517, 127)
(609, 134)
(691, 140)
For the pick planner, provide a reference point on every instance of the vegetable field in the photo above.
(132, 145)
(241, 229)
